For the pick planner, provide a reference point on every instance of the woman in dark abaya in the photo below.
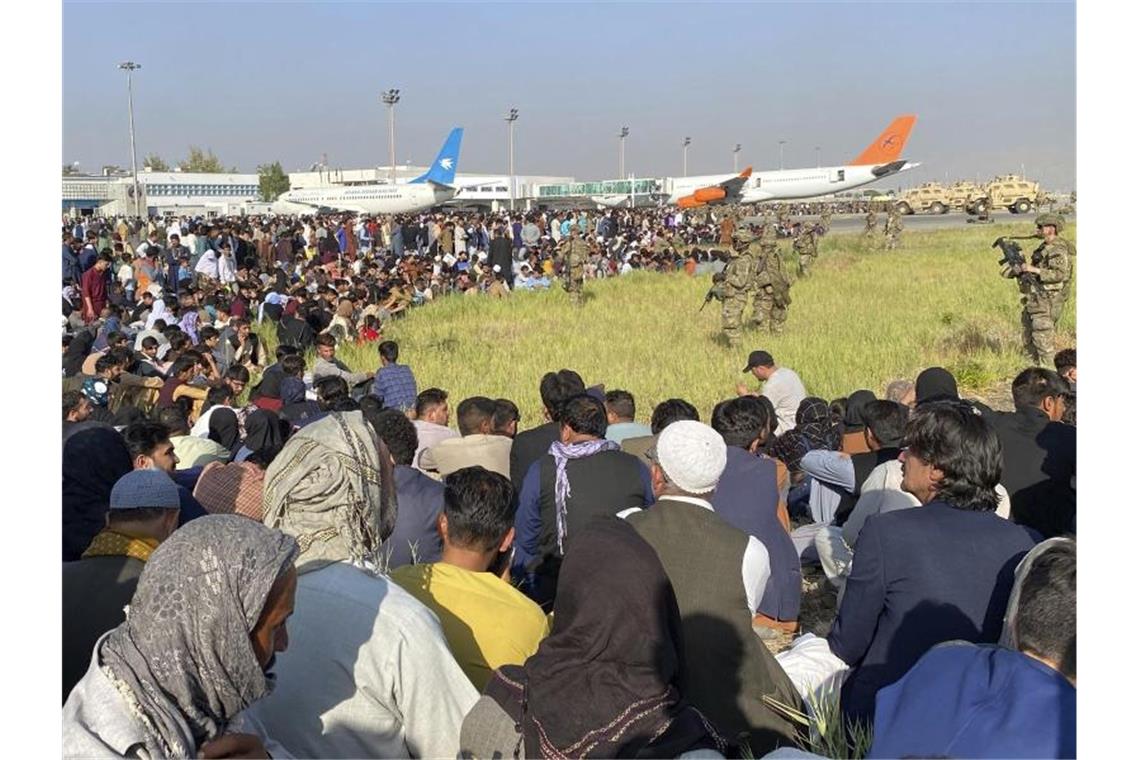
(93, 460)
(607, 681)
(854, 441)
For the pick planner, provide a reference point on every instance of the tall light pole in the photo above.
(390, 99)
(685, 156)
(624, 133)
(130, 67)
(511, 118)
(782, 153)
(735, 154)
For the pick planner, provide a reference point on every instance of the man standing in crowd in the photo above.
(93, 288)
(782, 387)
(529, 445)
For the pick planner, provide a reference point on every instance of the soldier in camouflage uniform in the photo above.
(736, 285)
(893, 227)
(805, 247)
(576, 252)
(1044, 284)
(825, 218)
(770, 284)
(869, 223)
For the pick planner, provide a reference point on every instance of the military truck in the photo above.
(1014, 193)
(962, 192)
(929, 196)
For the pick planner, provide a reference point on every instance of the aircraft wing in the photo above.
(727, 191)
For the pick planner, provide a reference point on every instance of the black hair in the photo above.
(506, 412)
(740, 421)
(330, 389)
(585, 415)
(237, 372)
(217, 396)
(142, 438)
(324, 339)
(1046, 618)
(837, 410)
(557, 387)
(671, 410)
(954, 437)
(181, 364)
(105, 362)
(389, 350)
(150, 341)
(428, 399)
(115, 337)
(621, 404)
(286, 349)
(71, 401)
(887, 422)
(1034, 385)
(473, 412)
(394, 428)
(206, 332)
(174, 420)
(1065, 359)
(480, 509)
(293, 365)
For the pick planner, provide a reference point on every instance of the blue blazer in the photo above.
(920, 577)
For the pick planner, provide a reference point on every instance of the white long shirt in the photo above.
(785, 390)
(368, 673)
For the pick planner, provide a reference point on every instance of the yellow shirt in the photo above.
(488, 623)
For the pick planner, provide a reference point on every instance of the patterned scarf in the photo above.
(182, 660)
(563, 453)
(108, 543)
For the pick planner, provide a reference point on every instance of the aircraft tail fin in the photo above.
(442, 171)
(889, 145)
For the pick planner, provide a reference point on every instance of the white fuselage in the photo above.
(785, 184)
(367, 199)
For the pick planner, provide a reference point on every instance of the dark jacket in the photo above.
(920, 577)
(95, 590)
(747, 498)
(419, 501)
(1039, 461)
(601, 485)
(292, 331)
(527, 447)
(501, 254)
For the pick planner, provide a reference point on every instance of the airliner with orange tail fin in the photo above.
(879, 160)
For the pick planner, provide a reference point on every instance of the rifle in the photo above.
(716, 291)
(1011, 255)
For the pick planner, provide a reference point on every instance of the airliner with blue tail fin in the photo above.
(430, 189)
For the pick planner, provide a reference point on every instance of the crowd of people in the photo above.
(273, 555)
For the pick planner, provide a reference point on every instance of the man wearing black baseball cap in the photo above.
(782, 386)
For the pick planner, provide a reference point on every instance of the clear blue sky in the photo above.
(993, 84)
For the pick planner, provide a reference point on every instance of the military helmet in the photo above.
(743, 236)
(1056, 220)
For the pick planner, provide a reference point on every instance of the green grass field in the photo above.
(863, 318)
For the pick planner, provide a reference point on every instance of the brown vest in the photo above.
(727, 668)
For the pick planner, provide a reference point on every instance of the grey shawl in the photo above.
(182, 659)
(332, 488)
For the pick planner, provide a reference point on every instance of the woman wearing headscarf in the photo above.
(224, 428)
(370, 674)
(195, 651)
(267, 394)
(854, 442)
(264, 437)
(608, 680)
(814, 430)
(159, 311)
(93, 460)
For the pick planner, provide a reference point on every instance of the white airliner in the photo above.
(880, 159)
(434, 187)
